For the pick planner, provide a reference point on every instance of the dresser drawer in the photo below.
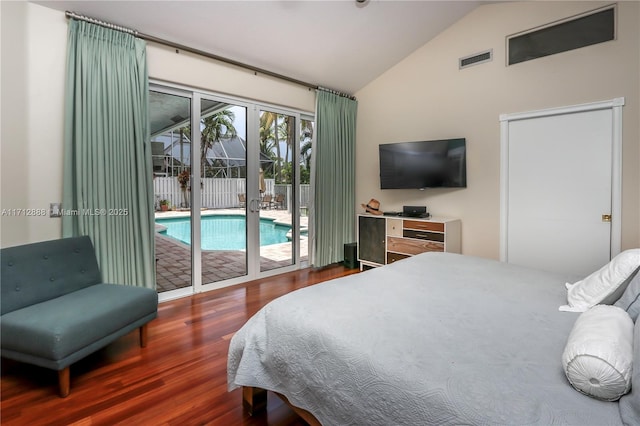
(424, 235)
(394, 227)
(426, 226)
(392, 257)
(403, 245)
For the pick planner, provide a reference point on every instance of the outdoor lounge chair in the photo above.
(266, 201)
(279, 201)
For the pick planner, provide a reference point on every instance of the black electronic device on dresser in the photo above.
(415, 211)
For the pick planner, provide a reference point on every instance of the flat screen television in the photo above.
(423, 164)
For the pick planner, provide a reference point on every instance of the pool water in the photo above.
(223, 232)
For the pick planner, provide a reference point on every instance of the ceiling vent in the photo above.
(476, 59)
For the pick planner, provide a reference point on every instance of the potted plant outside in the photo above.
(164, 205)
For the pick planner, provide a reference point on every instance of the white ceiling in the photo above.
(339, 44)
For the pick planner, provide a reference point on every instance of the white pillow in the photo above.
(630, 300)
(630, 403)
(598, 357)
(600, 284)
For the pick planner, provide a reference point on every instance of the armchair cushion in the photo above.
(57, 332)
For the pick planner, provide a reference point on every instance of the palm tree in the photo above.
(267, 145)
(288, 130)
(275, 128)
(269, 131)
(216, 126)
(305, 154)
(306, 138)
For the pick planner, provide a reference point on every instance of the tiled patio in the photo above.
(173, 258)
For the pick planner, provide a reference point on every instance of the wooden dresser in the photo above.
(385, 239)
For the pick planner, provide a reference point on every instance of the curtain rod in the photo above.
(178, 46)
(335, 92)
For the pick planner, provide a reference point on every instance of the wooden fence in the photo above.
(220, 193)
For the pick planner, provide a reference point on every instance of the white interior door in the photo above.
(559, 183)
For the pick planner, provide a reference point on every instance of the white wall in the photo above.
(202, 73)
(426, 97)
(33, 58)
(33, 68)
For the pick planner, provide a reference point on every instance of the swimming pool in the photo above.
(223, 232)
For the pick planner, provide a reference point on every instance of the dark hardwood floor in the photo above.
(180, 378)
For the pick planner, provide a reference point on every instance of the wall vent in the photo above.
(476, 59)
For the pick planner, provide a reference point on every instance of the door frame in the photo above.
(295, 186)
(253, 107)
(615, 105)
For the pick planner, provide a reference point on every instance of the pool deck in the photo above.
(173, 258)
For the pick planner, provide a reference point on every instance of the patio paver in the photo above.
(173, 258)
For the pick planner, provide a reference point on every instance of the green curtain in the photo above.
(108, 186)
(334, 181)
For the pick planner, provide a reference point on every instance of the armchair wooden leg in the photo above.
(64, 382)
(143, 336)
(254, 400)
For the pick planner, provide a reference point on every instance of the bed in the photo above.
(437, 338)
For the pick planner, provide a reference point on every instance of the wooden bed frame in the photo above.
(254, 400)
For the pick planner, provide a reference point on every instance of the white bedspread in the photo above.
(434, 339)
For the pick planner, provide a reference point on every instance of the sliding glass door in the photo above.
(231, 174)
(277, 189)
(222, 207)
(170, 123)
(285, 196)
(305, 200)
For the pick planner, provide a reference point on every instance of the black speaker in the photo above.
(415, 211)
(351, 256)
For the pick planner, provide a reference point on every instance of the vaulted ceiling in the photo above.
(340, 44)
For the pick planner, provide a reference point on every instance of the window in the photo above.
(576, 32)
